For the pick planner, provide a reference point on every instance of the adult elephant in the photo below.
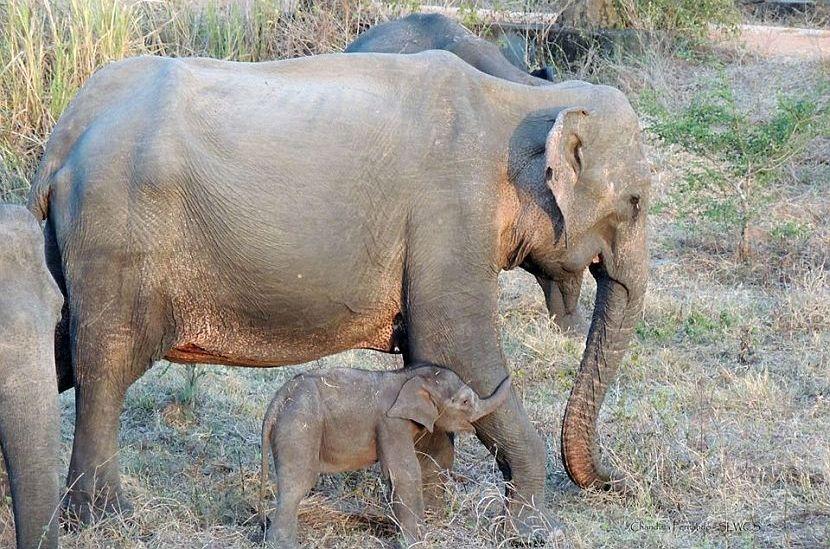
(30, 305)
(422, 32)
(274, 213)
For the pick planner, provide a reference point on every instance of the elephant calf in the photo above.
(346, 419)
(30, 306)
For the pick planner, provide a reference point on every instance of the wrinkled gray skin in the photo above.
(274, 213)
(421, 32)
(30, 305)
(331, 421)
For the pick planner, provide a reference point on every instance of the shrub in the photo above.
(738, 158)
(690, 18)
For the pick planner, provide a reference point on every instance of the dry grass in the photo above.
(720, 414)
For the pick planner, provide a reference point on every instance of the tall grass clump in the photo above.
(48, 49)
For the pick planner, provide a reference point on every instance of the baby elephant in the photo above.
(346, 419)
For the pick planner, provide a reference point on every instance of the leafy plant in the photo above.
(190, 389)
(738, 157)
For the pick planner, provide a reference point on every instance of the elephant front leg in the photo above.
(521, 457)
(403, 476)
(436, 454)
(562, 300)
(456, 327)
(29, 419)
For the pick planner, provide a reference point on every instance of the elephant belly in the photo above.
(206, 342)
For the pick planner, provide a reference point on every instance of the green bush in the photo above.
(738, 157)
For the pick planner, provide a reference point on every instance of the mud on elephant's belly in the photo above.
(263, 348)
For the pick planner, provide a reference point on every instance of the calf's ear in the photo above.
(415, 403)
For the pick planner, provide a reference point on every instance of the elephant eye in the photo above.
(635, 205)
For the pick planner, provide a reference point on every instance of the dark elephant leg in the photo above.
(108, 356)
(452, 321)
(562, 299)
(63, 351)
(29, 433)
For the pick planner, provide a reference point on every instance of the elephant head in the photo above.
(438, 399)
(596, 187)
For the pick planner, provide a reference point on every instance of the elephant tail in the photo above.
(267, 427)
(38, 202)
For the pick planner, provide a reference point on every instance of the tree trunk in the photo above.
(592, 14)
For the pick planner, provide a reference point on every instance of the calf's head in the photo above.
(436, 398)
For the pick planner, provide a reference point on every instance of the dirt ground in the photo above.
(785, 42)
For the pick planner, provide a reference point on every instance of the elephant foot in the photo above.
(528, 526)
(404, 542)
(278, 540)
(79, 508)
(571, 325)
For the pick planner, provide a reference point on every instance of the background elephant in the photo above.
(272, 213)
(421, 32)
(30, 305)
(432, 31)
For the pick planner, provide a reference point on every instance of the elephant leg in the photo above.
(562, 299)
(29, 432)
(451, 320)
(397, 461)
(521, 457)
(107, 357)
(436, 454)
(294, 480)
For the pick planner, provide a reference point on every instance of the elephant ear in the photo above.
(563, 155)
(415, 403)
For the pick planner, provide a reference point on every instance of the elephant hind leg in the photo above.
(108, 353)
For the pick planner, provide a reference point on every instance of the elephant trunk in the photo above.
(619, 303)
(29, 434)
(489, 405)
